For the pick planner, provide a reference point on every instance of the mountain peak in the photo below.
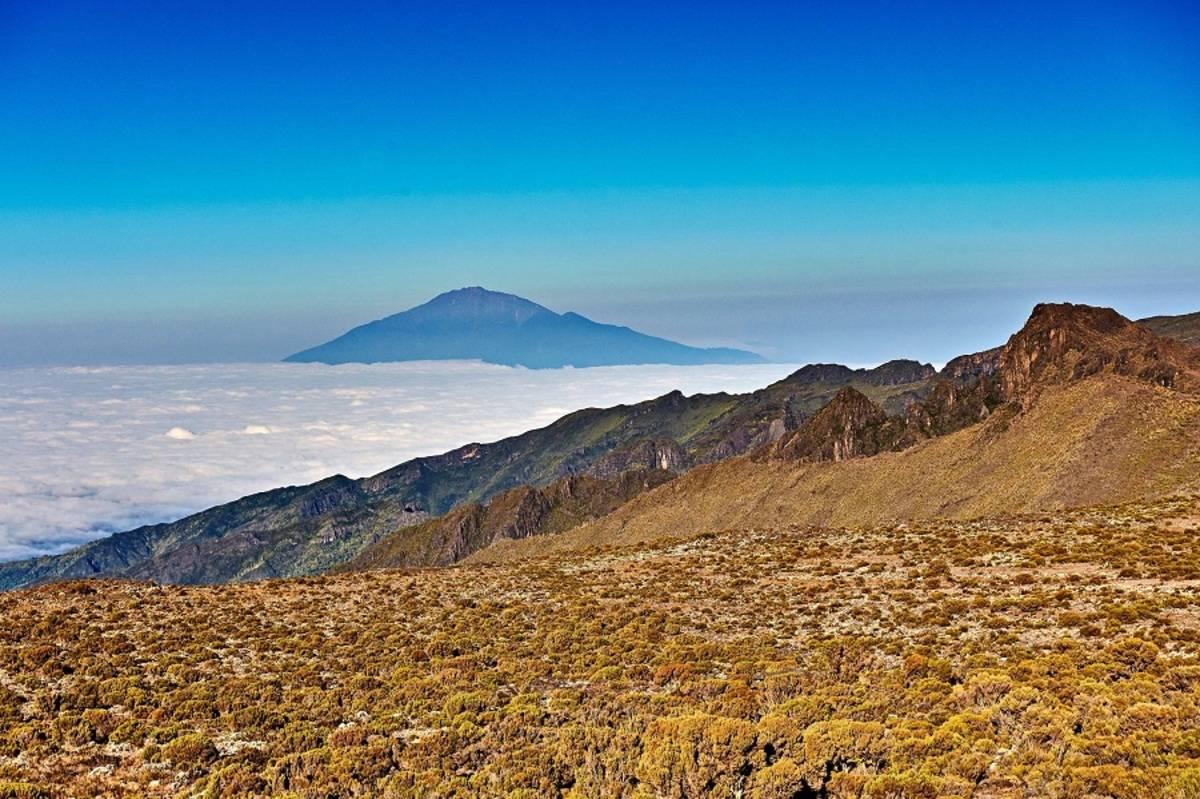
(474, 323)
(899, 372)
(848, 426)
(1065, 341)
(476, 302)
(892, 373)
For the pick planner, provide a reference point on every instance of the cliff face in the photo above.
(1060, 343)
(850, 426)
(656, 453)
(1066, 342)
(967, 369)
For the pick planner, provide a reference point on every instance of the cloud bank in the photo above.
(92, 451)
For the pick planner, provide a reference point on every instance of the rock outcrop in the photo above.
(1059, 343)
(850, 426)
(1065, 342)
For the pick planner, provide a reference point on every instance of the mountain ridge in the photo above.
(300, 530)
(474, 323)
(1077, 392)
(1101, 454)
(1184, 328)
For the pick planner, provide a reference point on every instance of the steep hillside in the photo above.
(477, 324)
(1184, 328)
(519, 513)
(308, 529)
(1080, 406)
(1067, 342)
(1002, 658)
(1104, 439)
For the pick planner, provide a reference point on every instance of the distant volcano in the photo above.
(477, 324)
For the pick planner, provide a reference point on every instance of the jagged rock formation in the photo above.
(663, 454)
(951, 406)
(892, 373)
(1080, 406)
(968, 368)
(1059, 343)
(850, 426)
(899, 372)
(1067, 342)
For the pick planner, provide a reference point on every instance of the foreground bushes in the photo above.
(1000, 658)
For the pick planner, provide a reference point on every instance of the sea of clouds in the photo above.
(85, 452)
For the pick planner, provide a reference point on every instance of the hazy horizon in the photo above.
(813, 182)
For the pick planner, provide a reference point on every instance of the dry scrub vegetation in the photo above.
(1040, 656)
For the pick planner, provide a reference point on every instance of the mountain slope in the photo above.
(1104, 439)
(519, 513)
(474, 323)
(308, 529)
(1052, 655)
(1184, 328)
(1080, 406)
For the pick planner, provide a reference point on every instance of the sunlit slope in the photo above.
(1104, 439)
(1052, 655)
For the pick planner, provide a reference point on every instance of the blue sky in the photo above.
(819, 181)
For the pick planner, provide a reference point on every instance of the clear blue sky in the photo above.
(850, 181)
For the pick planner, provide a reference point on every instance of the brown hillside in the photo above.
(519, 513)
(1185, 327)
(1080, 406)
(1005, 658)
(1063, 342)
(1103, 439)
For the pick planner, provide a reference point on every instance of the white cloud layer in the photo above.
(90, 451)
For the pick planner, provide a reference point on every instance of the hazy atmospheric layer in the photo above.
(90, 451)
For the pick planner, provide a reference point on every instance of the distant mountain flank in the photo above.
(518, 513)
(1184, 327)
(477, 324)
